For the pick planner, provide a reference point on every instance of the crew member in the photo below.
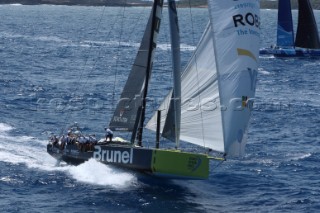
(109, 134)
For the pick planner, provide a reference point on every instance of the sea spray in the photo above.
(96, 173)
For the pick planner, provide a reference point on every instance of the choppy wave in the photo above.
(5, 128)
(93, 172)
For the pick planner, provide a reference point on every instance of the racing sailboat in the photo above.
(306, 43)
(209, 106)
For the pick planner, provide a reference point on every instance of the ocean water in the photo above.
(65, 64)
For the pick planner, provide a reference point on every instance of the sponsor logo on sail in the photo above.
(113, 156)
(246, 19)
(194, 163)
(245, 52)
(120, 119)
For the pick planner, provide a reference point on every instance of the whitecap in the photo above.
(5, 127)
(264, 72)
(94, 172)
(300, 156)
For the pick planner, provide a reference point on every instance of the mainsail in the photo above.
(218, 84)
(307, 31)
(285, 32)
(126, 114)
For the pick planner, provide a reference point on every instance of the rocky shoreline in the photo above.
(265, 4)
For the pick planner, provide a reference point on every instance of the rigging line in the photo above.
(82, 71)
(218, 159)
(117, 57)
(99, 53)
(137, 22)
(161, 69)
(87, 59)
(197, 71)
(118, 50)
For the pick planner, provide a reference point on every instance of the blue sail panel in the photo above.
(285, 33)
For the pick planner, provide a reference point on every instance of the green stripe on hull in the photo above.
(180, 164)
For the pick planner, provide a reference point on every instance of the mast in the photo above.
(225, 95)
(176, 65)
(156, 18)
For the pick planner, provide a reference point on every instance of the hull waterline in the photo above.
(158, 162)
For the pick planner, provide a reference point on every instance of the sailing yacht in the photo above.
(306, 42)
(209, 105)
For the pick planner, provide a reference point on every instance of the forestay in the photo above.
(218, 84)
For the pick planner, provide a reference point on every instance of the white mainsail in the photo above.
(218, 84)
(200, 102)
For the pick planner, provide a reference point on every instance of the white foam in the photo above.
(264, 72)
(93, 172)
(183, 47)
(298, 156)
(31, 152)
(5, 128)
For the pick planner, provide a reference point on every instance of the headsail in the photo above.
(236, 39)
(285, 32)
(218, 84)
(125, 114)
(307, 31)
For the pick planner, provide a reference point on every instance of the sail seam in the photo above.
(197, 71)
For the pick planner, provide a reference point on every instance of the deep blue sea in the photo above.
(65, 64)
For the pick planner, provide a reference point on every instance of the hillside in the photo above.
(270, 4)
(79, 2)
(267, 4)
